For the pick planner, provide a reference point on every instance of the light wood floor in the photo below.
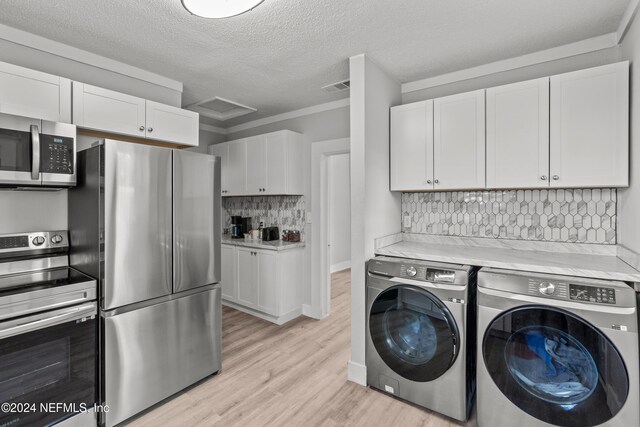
(290, 375)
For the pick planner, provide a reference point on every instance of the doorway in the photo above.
(331, 232)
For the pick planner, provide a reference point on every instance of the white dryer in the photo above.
(420, 333)
(556, 350)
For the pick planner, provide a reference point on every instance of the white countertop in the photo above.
(579, 263)
(274, 245)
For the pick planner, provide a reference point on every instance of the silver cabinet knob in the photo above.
(437, 181)
(141, 128)
(150, 129)
(556, 177)
(428, 181)
(543, 177)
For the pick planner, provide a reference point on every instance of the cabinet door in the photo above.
(412, 146)
(277, 162)
(222, 151)
(256, 173)
(248, 277)
(172, 124)
(590, 127)
(30, 93)
(518, 135)
(229, 271)
(459, 141)
(236, 167)
(105, 110)
(268, 293)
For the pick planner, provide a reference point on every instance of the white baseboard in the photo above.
(340, 266)
(278, 320)
(357, 373)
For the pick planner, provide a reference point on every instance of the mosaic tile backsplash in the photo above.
(580, 216)
(286, 212)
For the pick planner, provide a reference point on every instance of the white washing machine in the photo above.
(419, 317)
(556, 350)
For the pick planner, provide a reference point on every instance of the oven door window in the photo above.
(15, 151)
(54, 365)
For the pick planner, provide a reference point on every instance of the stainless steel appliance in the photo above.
(36, 153)
(48, 330)
(556, 350)
(236, 227)
(142, 221)
(420, 341)
(270, 233)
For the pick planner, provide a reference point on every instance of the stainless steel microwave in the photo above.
(36, 153)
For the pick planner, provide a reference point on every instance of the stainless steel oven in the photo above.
(36, 153)
(48, 333)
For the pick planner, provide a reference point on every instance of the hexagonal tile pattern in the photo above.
(289, 212)
(575, 215)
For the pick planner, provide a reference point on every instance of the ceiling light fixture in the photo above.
(219, 8)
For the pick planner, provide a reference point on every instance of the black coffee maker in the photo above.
(236, 227)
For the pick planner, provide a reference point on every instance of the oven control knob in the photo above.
(411, 271)
(56, 239)
(546, 288)
(38, 240)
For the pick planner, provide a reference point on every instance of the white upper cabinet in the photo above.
(256, 164)
(412, 146)
(30, 93)
(106, 110)
(236, 167)
(172, 124)
(222, 151)
(459, 141)
(270, 164)
(109, 111)
(590, 127)
(518, 135)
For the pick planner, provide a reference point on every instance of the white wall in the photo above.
(375, 211)
(206, 139)
(629, 198)
(322, 126)
(564, 65)
(339, 212)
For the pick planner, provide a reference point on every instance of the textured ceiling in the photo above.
(278, 56)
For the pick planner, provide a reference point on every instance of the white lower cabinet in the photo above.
(266, 283)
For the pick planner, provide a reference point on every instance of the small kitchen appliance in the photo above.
(270, 234)
(36, 153)
(48, 333)
(236, 227)
(245, 225)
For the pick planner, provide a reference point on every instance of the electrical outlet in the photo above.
(308, 217)
(407, 221)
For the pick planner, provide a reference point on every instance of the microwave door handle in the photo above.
(35, 148)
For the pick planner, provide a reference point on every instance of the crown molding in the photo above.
(33, 41)
(333, 105)
(584, 46)
(627, 19)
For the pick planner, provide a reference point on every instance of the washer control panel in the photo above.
(546, 288)
(419, 272)
(592, 294)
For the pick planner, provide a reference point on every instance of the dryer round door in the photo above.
(413, 332)
(555, 366)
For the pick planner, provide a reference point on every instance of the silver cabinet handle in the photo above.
(428, 181)
(543, 177)
(35, 147)
(437, 181)
(141, 128)
(150, 129)
(556, 177)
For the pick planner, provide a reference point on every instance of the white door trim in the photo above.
(320, 275)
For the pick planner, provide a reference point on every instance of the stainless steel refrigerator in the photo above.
(144, 221)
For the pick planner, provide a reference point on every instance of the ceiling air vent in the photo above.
(338, 86)
(220, 108)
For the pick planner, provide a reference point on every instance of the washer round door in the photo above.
(555, 366)
(413, 332)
